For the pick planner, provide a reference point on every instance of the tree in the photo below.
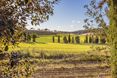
(77, 38)
(25, 37)
(72, 39)
(103, 40)
(90, 39)
(93, 39)
(34, 36)
(53, 39)
(15, 13)
(97, 13)
(96, 40)
(28, 37)
(58, 39)
(86, 39)
(65, 39)
(69, 38)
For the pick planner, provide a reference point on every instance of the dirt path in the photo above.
(79, 70)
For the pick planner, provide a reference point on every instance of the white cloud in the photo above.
(78, 22)
(72, 26)
(73, 21)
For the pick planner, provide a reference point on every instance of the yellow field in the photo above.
(55, 47)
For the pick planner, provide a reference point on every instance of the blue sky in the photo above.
(68, 15)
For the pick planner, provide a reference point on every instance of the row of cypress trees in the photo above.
(76, 39)
(29, 38)
(67, 39)
(94, 39)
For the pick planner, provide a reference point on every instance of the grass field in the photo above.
(48, 38)
(59, 60)
(58, 47)
(44, 42)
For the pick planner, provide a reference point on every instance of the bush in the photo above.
(65, 39)
(77, 38)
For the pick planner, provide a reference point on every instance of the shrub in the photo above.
(77, 38)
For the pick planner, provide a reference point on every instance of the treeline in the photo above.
(95, 39)
(41, 32)
(77, 39)
(66, 39)
(26, 37)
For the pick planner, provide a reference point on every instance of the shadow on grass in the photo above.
(36, 42)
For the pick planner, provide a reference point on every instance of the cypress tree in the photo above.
(90, 39)
(58, 39)
(65, 39)
(93, 39)
(25, 37)
(28, 37)
(34, 37)
(103, 40)
(53, 39)
(72, 39)
(69, 38)
(96, 40)
(77, 38)
(86, 39)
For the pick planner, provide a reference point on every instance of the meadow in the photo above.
(44, 43)
(60, 60)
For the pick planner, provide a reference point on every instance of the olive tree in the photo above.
(14, 15)
(97, 13)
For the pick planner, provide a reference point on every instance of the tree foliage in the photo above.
(53, 39)
(86, 39)
(34, 36)
(65, 40)
(73, 40)
(77, 38)
(59, 40)
(96, 13)
(69, 38)
(14, 15)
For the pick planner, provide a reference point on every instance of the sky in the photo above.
(68, 15)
